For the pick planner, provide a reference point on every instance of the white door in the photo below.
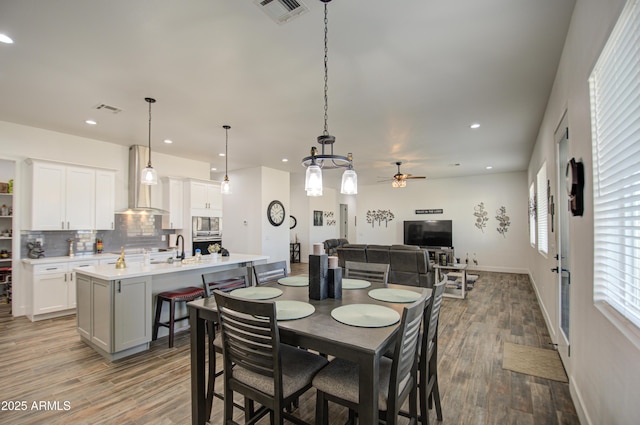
(344, 221)
(562, 232)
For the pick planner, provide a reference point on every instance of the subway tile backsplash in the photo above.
(131, 231)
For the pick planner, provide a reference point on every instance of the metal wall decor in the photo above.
(378, 216)
(503, 221)
(481, 216)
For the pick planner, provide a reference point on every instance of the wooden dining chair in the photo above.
(256, 364)
(225, 281)
(339, 381)
(373, 272)
(270, 272)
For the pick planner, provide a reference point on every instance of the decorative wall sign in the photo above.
(481, 216)
(503, 221)
(317, 218)
(328, 214)
(432, 211)
(379, 216)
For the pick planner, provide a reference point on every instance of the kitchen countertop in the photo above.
(82, 256)
(137, 269)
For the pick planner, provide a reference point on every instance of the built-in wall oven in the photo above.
(205, 231)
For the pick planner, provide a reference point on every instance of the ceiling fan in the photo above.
(399, 179)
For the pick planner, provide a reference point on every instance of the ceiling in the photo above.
(406, 79)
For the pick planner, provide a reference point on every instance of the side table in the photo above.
(294, 251)
(452, 290)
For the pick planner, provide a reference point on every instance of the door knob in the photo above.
(555, 270)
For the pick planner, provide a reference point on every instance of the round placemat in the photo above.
(366, 315)
(355, 283)
(394, 295)
(294, 281)
(290, 310)
(257, 292)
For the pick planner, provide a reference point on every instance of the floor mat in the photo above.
(533, 361)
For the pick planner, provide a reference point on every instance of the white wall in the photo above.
(603, 368)
(457, 197)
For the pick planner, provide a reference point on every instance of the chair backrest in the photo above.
(250, 337)
(226, 280)
(405, 357)
(432, 314)
(373, 272)
(265, 273)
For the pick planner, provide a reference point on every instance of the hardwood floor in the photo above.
(46, 362)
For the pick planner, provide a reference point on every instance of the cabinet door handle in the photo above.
(68, 226)
(119, 286)
(62, 225)
(112, 225)
(52, 268)
(65, 277)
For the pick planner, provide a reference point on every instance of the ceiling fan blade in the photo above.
(415, 177)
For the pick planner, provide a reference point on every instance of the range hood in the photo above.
(139, 194)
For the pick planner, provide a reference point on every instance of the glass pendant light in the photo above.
(313, 177)
(226, 187)
(149, 176)
(349, 184)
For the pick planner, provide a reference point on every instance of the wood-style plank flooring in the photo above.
(46, 362)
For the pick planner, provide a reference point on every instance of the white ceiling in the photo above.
(406, 78)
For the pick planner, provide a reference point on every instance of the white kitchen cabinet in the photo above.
(205, 198)
(69, 197)
(173, 201)
(105, 199)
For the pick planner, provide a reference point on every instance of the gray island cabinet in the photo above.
(115, 306)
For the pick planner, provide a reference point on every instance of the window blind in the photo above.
(541, 184)
(615, 119)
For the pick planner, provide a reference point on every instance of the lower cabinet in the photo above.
(114, 315)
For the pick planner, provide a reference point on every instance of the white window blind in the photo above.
(532, 214)
(615, 118)
(541, 211)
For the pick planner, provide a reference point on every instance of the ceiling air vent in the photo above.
(282, 11)
(108, 108)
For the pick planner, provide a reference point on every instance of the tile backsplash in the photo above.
(131, 231)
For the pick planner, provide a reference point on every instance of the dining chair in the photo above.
(225, 281)
(339, 381)
(270, 272)
(256, 364)
(373, 272)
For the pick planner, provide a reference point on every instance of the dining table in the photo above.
(322, 329)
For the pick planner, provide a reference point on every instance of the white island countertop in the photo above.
(137, 269)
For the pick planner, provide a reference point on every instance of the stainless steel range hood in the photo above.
(139, 194)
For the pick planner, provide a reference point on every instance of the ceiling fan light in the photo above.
(149, 176)
(313, 180)
(398, 183)
(349, 182)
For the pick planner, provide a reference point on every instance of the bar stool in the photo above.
(172, 297)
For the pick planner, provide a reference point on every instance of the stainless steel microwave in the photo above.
(206, 226)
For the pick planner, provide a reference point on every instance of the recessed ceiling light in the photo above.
(91, 122)
(213, 168)
(475, 125)
(285, 160)
(488, 167)
(220, 154)
(168, 142)
(5, 39)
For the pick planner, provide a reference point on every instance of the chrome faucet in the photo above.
(181, 256)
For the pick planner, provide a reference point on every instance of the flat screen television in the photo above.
(429, 233)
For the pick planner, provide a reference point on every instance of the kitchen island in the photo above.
(115, 306)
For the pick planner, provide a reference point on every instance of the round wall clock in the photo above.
(275, 213)
(292, 222)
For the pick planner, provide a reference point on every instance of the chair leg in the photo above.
(436, 398)
(156, 323)
(172, 312)
(211, 380)
(322, 409)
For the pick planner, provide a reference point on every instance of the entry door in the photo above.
(344, 221)
(563, 270)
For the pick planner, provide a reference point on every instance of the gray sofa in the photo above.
(408, 264)
(331, 245)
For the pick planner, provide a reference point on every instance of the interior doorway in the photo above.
(563, 244)
(344, 221)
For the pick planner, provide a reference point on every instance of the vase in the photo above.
(214, 256)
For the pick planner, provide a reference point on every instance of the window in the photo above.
(541, 209)
(615, 121)
(532, 214)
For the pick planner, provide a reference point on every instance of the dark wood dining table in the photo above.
(319, 332)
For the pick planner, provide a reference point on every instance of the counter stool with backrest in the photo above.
(270, 272)
(172, 297)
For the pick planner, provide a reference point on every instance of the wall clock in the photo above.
(292, 222)
(275, 213)
(575, 186)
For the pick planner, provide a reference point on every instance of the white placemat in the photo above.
(366, 315)
(355, 283)
(294, 281)
(290, 310)
(257, 292)
(394, 295)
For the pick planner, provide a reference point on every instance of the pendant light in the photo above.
(225, 189)
(149, 176)
(316, 162)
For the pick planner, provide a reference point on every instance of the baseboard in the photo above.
(496, 269)
(543, 309)
(578, 403)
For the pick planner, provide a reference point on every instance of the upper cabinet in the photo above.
(205, 198)
(69, 197)
(173, 201)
